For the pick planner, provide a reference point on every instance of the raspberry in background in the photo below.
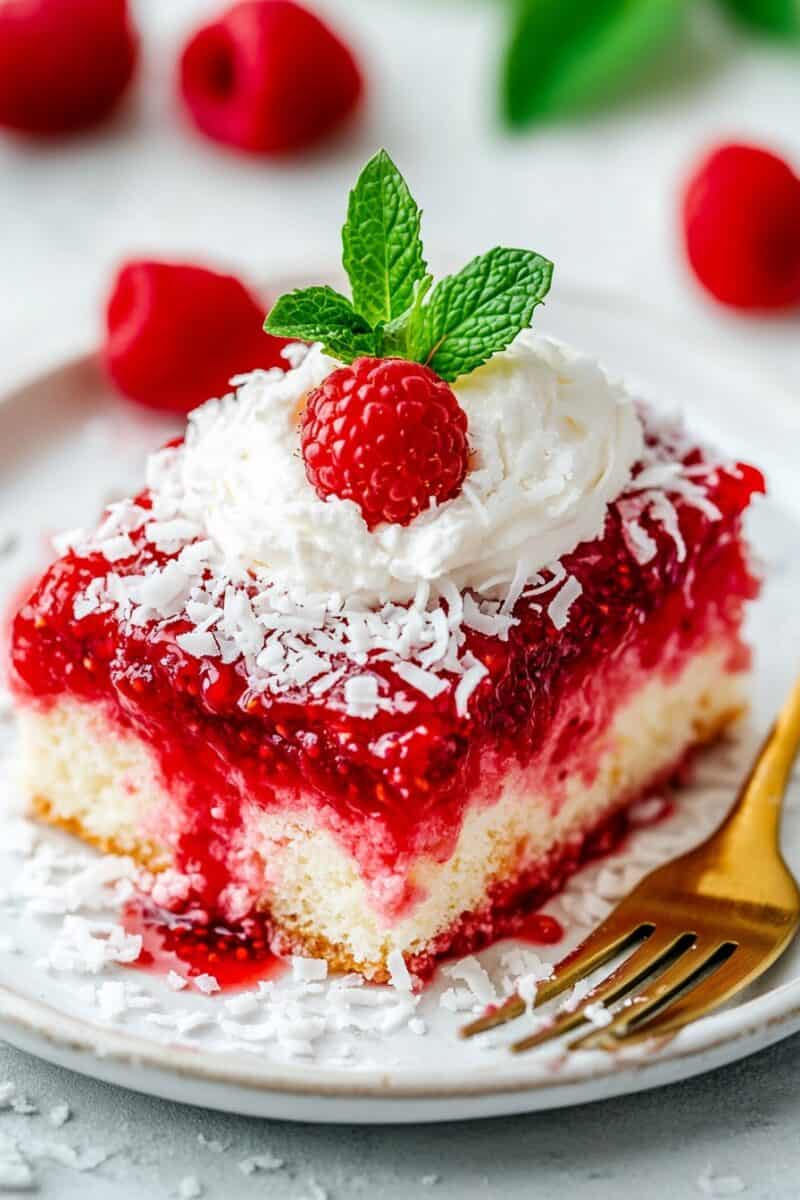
(176, 334)
(741, 219)
(389, 435)
(64, 64)
(268, 77)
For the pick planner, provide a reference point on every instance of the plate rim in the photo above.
(48, 1025)
(775, 1013)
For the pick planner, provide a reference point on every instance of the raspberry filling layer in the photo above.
(397, 786)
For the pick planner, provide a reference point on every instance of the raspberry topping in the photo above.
(742, 228)
(268, 77)
(177, 334)
(63, 67)
(388, 434)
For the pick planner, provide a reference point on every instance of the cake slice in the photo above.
(384, 651)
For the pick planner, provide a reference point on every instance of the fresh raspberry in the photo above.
(176, 334)
(268, 77)
(388, 434)
(741, 219)
(64, 64)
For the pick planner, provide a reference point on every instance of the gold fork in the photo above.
(700, 928)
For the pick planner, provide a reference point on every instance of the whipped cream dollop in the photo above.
(553, 441)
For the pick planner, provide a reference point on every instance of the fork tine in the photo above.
(650, 959)
(733, 976)
(513, 1007)
(688, 969)
(615, 935)
(604, 943)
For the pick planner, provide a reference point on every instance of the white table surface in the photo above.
(600, 198)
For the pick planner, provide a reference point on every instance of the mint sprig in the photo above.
(454, 328)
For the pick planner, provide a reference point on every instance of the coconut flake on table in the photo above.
(58, 1115)
(266, 1161)
(190, 1188)
(16, 1173)
(719, 1185)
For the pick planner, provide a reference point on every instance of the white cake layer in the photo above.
(80, 771)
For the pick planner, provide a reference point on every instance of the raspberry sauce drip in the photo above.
(193, 945)
(540, 929)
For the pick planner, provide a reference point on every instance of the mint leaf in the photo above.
(474, 314)
(319, 314)
(567, 55)
(780, 17)
(381, 242)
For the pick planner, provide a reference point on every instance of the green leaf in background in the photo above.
(319, 314)
(381, 242)
(567, 55)
(474, 314)
(781, 17)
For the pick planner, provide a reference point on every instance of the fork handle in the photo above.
(756, 815)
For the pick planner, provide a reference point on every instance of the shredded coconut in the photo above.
(470, 971)
(309, 970)
(398, 971)
(206, 984)
(559, 606)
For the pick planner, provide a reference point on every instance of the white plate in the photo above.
(65, 447)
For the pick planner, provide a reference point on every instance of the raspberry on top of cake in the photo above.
(392, 639)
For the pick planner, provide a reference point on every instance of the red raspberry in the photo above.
(388, 434)
(64, 64)
(741, 218)
(176, 334)
(268, 77)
